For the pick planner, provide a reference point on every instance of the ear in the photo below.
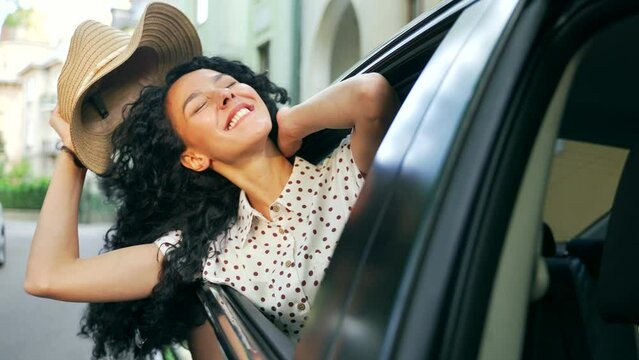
(194, 161)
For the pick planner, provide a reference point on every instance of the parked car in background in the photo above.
(3, 238)
(519, 122)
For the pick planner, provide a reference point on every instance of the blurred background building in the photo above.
(304, 45)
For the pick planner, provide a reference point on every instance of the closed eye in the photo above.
(231, 84)
(200, 107)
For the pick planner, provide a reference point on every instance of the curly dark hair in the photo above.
(155, 194)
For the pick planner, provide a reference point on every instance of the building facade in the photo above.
(260, 33)
(303, 44)
(39, 87)
(16, 90)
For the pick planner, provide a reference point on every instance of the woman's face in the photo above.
(218, 118)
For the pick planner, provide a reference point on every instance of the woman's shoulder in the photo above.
(341, 162)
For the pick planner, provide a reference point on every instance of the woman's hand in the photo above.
(61, 126)
(289, 138)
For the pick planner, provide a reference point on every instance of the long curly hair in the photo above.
(155, 194)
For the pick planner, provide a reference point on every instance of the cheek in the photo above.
(196, 132)
(265, 118)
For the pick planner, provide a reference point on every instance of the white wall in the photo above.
(272, 21)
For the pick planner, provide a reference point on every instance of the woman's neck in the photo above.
(262, 177)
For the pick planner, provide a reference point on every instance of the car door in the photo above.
(403, 244)
(440, 254)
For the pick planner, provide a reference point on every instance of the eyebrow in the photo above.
(194, 94)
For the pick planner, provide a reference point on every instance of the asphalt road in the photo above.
(32, 328)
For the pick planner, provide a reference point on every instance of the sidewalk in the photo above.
(33, 214)
(22, 214)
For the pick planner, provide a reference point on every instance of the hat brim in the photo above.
(171, 35)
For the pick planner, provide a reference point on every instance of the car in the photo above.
(497, 221)
(3, 238)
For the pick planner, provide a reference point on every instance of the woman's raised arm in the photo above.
(366, 103)
(54, 268)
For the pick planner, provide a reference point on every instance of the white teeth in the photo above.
(237, 117)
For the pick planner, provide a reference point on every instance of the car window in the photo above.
(581, 186)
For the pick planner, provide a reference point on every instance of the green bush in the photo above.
(27, 194)
(20, 190)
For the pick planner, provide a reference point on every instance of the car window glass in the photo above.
(581, 186)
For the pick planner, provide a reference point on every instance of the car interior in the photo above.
(584, 294)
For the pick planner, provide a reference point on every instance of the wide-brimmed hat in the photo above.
(106, 69)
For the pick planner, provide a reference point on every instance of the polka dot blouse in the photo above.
(279, 264)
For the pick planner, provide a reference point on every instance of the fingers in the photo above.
(61, 127)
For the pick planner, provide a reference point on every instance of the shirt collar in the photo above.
(294, 200)
(301, 188)
(240, 229)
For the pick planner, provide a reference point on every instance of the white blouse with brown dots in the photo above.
(279, 264)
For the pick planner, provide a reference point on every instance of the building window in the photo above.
(263, 53)
(415, 8)
(202, 9)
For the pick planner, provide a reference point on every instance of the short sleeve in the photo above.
(168, 240)
(341, 165)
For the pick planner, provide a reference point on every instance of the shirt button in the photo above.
(276, 208)
(289, 263)
(301, 306)
(281, 230)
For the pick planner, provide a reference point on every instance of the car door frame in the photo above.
(543, 37)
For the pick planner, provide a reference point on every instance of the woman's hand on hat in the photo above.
(289, 137)
(61, 127)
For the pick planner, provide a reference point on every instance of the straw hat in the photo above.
(106, 68)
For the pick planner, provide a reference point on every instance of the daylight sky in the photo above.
(62, 16)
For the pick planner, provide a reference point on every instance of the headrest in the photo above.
(618, 288)
(589, 252)
(548, 245)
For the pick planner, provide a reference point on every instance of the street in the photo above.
(32, 328)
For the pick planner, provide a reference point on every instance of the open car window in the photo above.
(243, 330)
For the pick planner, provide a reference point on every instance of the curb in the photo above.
(22, 214)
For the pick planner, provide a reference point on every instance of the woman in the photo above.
(200, 173)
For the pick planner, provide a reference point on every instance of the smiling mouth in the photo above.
(239, 114)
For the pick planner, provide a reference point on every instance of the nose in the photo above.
(225, 96)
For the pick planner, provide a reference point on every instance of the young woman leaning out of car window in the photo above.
(208, 191)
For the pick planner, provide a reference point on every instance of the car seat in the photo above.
(591, 306)
(618, 292)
